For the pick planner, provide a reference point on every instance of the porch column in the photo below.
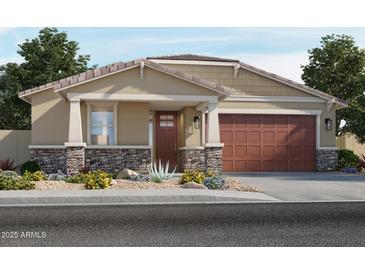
(75, 129)
(75, 148)
(213, 124)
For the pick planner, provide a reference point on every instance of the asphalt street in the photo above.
(245, 224)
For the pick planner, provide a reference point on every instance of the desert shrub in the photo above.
(98, 180)
(35, 176)
(214, 182)
(77, 178)
(19, 183)
(93, 179)
(31, 166)
(7, 165)
(195, 176)
(347, 158)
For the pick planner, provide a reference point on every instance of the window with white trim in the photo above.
(102, 129)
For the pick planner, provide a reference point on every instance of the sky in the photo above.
(277, 50)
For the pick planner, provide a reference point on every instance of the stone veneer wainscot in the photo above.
(201, 158)
(326, 159)
(51, 159)
(115, 159)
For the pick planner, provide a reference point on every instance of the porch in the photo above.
(116, 131)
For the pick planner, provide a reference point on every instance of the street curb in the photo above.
(128, 197)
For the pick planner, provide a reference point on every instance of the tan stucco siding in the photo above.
(327, 137)
(153, 82)
(348, 141)
(246, 83)
(191, 134)
(14, 145)
(132, 128)
(50, 119)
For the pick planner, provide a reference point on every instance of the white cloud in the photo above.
(283, 64)
(4, 30)
(11, 59)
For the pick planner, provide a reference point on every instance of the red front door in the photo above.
(166, 137)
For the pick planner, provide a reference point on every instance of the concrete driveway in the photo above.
(307, 186)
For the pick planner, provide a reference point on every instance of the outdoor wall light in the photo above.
(328, 123)
(197, 122)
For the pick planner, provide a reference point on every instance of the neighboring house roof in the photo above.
(193, 57)
(104, 71)
(107, 70)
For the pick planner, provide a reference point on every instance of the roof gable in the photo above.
(96, 74)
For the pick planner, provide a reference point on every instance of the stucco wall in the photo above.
(349, 142)
(133, 123)
(153, 82)
(191, 134)
(247, 83)
(327, 137)
(14, 145)
(50, 119)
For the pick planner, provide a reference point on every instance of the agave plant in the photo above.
(161, 173)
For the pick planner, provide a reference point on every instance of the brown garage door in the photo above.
(268, 142)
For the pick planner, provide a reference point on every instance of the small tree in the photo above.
(337, 67)
(48, 57)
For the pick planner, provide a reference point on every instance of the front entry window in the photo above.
(102, 125)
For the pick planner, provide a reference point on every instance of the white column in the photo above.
(202, 126)
(213, 124)
(75, 128)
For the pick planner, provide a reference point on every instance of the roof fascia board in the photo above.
(194, 62)
(239, 98)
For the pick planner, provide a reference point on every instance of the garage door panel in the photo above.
(268, 122)
(254, 165)
(254, 136)
(268, 165)
(228, 151)
(240, 151)
(282, 152)
(268, 137)
(240, 121)
(240, 136)
(281, 165)
(240, 166)
(268, 142)
(281, 121)
(268, 151)
(295, 137)
(226, 121)
(227, 165)
(253, 121)
(295, 165)
(253, 151)
(281, 137)
(227, 136)
(295, 151)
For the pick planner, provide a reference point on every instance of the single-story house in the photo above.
(196, 112)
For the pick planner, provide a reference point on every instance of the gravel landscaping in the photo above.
(230, 184)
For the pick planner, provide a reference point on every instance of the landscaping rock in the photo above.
(10, 174)
(234, 184)
(57, 176)
(194, 185)
(126, 173)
